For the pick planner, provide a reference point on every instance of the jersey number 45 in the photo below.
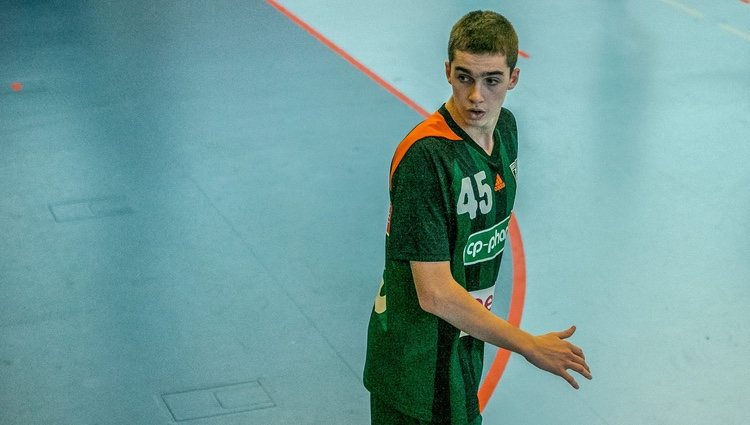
(467, 200)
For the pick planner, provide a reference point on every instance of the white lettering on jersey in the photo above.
(467, 202)
(486, 244)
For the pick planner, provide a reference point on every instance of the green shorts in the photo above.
(383, 414)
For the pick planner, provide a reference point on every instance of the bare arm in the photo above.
(441, 295)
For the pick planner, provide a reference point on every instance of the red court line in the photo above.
(331, 45)
(515, 312)
(518, 295)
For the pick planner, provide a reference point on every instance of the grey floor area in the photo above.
(193, 198)
(182, 193)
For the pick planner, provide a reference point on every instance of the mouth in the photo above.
(476, 114)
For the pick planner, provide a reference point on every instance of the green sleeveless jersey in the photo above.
(450, 201)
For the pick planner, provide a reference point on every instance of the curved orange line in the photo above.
(514, 312)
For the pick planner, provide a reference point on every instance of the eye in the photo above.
(493, 81)
(463, 78)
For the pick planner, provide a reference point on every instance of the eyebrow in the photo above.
(484, 74)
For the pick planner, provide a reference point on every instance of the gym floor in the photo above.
(193, 198)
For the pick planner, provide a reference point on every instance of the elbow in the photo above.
(434, 284)
(429, 301)
(426, 303)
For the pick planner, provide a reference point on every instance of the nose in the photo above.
(475, 93)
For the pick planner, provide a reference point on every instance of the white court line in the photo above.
(736, 31)
(698, 14)
(689, 10)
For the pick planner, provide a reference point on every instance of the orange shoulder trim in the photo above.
(433, 126)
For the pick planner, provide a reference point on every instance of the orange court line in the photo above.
(349, 58)
(515, 312)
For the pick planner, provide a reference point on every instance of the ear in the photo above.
(448, 70)
(514, 78)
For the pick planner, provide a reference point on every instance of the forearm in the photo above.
(452, 303)
(442, 296)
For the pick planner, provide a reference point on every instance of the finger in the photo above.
(578, 351)
(582, 369)
(571, 381)
(588, 369)
(580, 359)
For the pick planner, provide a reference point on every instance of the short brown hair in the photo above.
(482, 32)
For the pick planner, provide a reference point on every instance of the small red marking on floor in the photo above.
(16, 86)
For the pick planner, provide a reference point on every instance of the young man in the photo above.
(452, 188)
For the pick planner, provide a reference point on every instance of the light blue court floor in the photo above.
(193, 198)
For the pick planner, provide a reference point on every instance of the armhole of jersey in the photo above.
(433, 126)
(510, 120)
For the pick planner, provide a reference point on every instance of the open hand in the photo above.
(555, 355)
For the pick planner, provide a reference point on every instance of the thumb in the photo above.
(566, 333)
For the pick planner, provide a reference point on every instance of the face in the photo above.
(480, 83)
